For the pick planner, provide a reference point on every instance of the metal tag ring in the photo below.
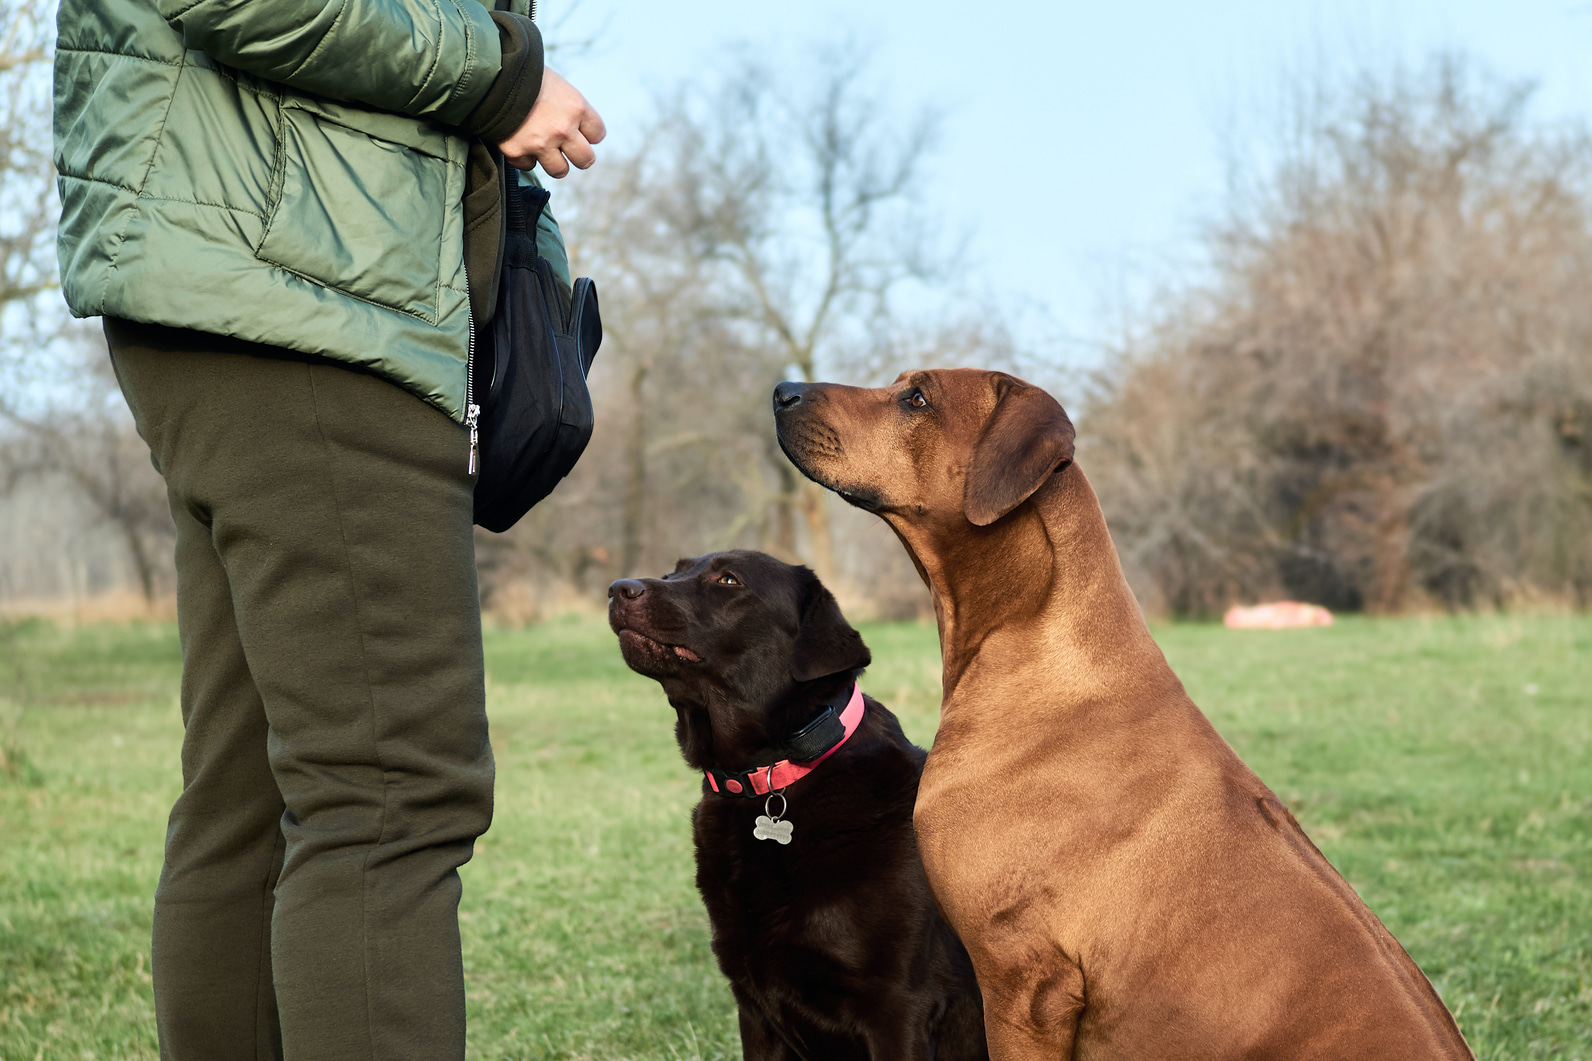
(767, 805)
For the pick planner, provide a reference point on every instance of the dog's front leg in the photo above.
(759, 1040)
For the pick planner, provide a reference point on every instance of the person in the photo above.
(287, 218)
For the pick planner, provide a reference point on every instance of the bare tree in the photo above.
(92, 446)
(759, 230)
(27, 195)
(63, 418)
(1381, 396)
(686, 379)
(807, 200)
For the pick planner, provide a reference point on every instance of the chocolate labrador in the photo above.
(806, 858)
(1126, 886)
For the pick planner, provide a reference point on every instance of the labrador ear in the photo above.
(825, 644)
(1026, 438)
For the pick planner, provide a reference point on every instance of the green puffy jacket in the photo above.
(288, 172)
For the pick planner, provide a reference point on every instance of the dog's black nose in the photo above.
(627, 588)
(788, 395)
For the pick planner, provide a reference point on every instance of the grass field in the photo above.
(1445, 766)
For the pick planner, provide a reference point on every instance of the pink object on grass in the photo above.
(1278, 615)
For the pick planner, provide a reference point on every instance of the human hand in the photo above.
(559, 131)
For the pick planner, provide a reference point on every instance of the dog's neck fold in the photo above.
(1051, 556)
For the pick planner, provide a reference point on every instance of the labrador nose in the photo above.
(788, 395)
(628, 588)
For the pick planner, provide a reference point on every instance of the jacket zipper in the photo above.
(472, 411)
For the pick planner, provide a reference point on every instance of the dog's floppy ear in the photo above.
(1026, 438)
(825, 644)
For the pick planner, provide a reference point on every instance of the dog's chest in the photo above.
(755, 879)
(762, 894)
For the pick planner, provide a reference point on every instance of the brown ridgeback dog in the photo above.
(1126, 886)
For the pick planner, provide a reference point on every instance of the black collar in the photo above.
(798, 754)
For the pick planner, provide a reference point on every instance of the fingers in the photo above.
(555, 159)
(557, 154)
(518, 161)
(558, 133)
(579, 152)
(553, 163)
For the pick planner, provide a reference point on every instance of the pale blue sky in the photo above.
(1082, 142)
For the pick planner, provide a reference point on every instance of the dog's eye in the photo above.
(917, 400)
(727, 579)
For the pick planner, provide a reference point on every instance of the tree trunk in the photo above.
(142, 565)
(815, 512)
(632, 515)
(779, 529)
(1390, 561)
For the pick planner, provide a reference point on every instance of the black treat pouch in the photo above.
(528, 373)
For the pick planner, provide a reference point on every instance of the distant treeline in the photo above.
(1380, 396)
(1375, 394)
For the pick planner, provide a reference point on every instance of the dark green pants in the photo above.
(336, 770)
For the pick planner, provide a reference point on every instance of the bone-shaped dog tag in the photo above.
(772, 829)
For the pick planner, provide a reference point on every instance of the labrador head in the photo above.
(749, 640)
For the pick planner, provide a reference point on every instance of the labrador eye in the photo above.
(727, 579)
(917, 400)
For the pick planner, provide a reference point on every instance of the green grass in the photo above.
(1445, 766)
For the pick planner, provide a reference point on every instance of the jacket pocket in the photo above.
(358, 213)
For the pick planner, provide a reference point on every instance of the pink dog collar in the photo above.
(761, 780)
